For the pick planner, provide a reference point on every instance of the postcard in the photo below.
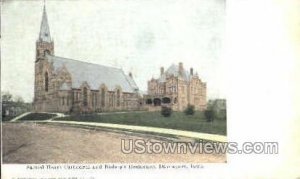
(100, 88)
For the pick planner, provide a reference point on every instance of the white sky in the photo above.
(137, 35)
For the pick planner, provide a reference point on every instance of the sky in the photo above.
(138, 36)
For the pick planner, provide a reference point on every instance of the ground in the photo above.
(178, 120)
(28, 142)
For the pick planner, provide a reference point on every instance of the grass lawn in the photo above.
(37, 116)
(177, 120)
(7, 118)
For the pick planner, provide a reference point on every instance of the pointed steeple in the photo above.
(45, 30)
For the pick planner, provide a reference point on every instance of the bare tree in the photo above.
(6, 96)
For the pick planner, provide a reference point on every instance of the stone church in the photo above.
(176, 88)
(67, 85)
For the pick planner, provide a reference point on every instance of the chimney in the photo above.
(130, 74)
(180, 68)
(192, 71)
(162, 70)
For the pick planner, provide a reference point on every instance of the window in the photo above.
(74, 96)
(94, 99)
(46, 81)
(149, 101)
(46, 52)
(157, 102)
(85, 96)
(118, 98)
(113, 98)
(102, 97)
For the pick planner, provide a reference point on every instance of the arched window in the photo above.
(112, 100)
(85, 96)
(46, 52)
(157, 102)
(118, 98)
(46, 81)
(102, 97)
(94, 99)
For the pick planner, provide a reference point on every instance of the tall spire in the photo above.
(45, 30)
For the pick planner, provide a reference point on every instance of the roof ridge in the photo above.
(86, 62)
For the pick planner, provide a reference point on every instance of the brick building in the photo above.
(176, 87)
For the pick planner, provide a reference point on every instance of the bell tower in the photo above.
(42, 82)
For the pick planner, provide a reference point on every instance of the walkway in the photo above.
(190, 134)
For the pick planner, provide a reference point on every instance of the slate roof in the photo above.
(45, 30)
(95, 75)
(131, 82)
(174, 70)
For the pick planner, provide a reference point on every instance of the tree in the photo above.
(166, 111)
(19, 99)
(190, 110)
(209, 114)
(6, 96)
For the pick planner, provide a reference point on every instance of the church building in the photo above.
(67, 85)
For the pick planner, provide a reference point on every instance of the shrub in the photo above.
(166, 111)
(209, 114)
(190, 110)
(221, 114)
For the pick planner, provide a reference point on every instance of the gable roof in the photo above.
(93, 74)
